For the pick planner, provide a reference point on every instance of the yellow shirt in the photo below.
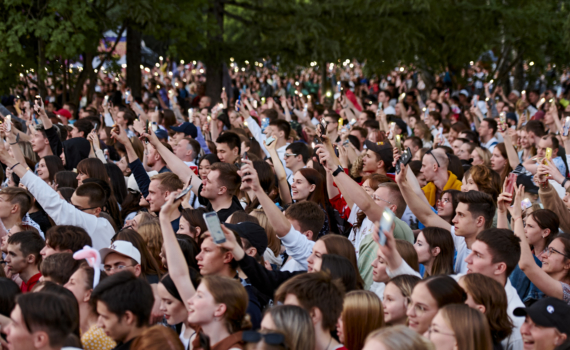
(96, 339)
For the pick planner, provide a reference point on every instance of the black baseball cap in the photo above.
(548, 312)
(383, 149)
(187, 128)
(254, 233)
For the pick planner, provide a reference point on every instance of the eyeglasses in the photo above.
(419, 309)
(433, 155)
(431, 330)
(83, 209)
(118, 268)
(444, 201)
(376, 198)
(269, 338)
(290, 155)
(548, 251)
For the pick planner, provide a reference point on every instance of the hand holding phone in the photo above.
(511, 184)
(214, 227)
(386, 223)
(183, 193)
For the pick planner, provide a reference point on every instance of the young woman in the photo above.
(435, 250)
(361, 314)
(91, 168)
(218, 310)
(81, 285)
(541, 226)
(273, 252)
(396, 298)
(340, 269)
(192, 223)
(428, 297)
(528, 151)
(309, 185)
(481, 178)
(150, 233)
(397, 338)
(488, 296)
(48, 166)
(65, 179)
(481, 156)
(447, 204)
(149, 267)
(174, 308)
(500, 161)
(458, 326)
(294, 322)
(553, 278)
(204, 164)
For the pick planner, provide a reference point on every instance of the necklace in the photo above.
(330, 341)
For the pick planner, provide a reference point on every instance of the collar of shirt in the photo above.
(27, 286)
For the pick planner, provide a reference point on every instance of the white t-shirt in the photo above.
(462, 252)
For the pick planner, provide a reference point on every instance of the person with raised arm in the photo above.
(553, 279)
(474, 213)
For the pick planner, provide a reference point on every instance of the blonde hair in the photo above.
(469, 325)
(231, 293)
(362, 313)
(485, 155)
(272, 242)
(151, 233)
(400, 338)
(296, 325)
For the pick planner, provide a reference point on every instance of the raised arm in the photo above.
(535, 274)
(177, 266)
(283, 185)
(514, 160)
(420, 208)
(348, 185)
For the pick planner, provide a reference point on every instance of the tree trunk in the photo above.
(214, 58)
(134, 61)
(82, 78)
(41, 70)
(324, 84)
(519, 76)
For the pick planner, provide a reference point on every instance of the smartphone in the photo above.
(254, 102)
(502, 122)
(127, 94)
(214, 227)
(154, 126)
(392, 131)
(379, 106)
(264, 123)
(402, 96)
(475, 100)
(317, 141)
(183, 193)
(440, 134)
(345, 143)
(398, 142)
(548, 154)
(106, 98)
(566, 127)
(190, 114)
(426, 113)
(511, 183)
(385, 224)
(39, 100)
(269, 140)
(8, 122)
(525, 204)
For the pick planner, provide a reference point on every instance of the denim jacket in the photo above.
(525, 288)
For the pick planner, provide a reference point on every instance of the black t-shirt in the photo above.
(223, 214)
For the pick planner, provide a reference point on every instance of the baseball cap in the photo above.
(64, 113)
(132, 183)
(187, 128)
(383, 149)
(125, 248)
(401, 124)
(516, 92)
(254, 233)
(161, 134)
(464, 92)
(548, 312)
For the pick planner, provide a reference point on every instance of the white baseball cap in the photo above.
(132, 183)
(125, 248)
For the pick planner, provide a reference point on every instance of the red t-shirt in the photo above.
(27, 286)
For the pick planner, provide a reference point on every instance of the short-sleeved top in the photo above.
(96, 339)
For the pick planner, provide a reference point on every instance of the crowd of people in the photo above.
(356, 213)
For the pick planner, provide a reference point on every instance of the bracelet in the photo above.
(13, 166)
(17, 139)
(564, 182)
(518, 217)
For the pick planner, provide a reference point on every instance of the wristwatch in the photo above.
(338, 171)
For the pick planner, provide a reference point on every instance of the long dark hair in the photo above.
(117, 181)
(53, 165)
(340, 268)
(320, 194)
(443, 262)
(546, 219)
(340, 245)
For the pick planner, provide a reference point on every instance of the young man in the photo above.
(378, 158)
(278, 129)
(65, 239)
(546, 325)
(40, 321)
(322, 297)
(296, 156)
(15, 202)
(81, 128)
(216, 260)
(154, 160)
(360, 133)
(217, 190)
(253, 238)
(547, 141)
(124, 303)
(125, 118)
(434, 168)
(228, 146)
(24, 257)
(496, 253)
(187, 150)
(384, 97)
(58, 268)
(474, 213)
(161, 186)
(185, 129)
(121, 256)
(487, 131)
(331, 119)
(414, 143)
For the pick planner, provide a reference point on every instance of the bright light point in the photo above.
(471, 63)
(94, 70)
(231, 59)
(243, 69)
(246, 62)
(158, 86)
(531, 64)
(116, 79)
(142, 67)
(351, 65)
(21, 75)
(157, 65)
(176, 84)
(124, 65)
(160, 58)
(170, 73)
(236, 69)
(194, 62)
(401, 69)
(328, 94)
(155, 74)
(297, 83)
(147, 70)
(193, 71)
(181, 61)
(201, 71)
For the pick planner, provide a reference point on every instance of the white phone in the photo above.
(385, 225)
(183, 193)
(214, 227)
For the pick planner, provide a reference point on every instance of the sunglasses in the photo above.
(433, 155)
(269, 338)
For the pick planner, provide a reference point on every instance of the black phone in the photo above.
(404, 160)
(317, 140)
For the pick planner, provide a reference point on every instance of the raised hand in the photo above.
(249, 177)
